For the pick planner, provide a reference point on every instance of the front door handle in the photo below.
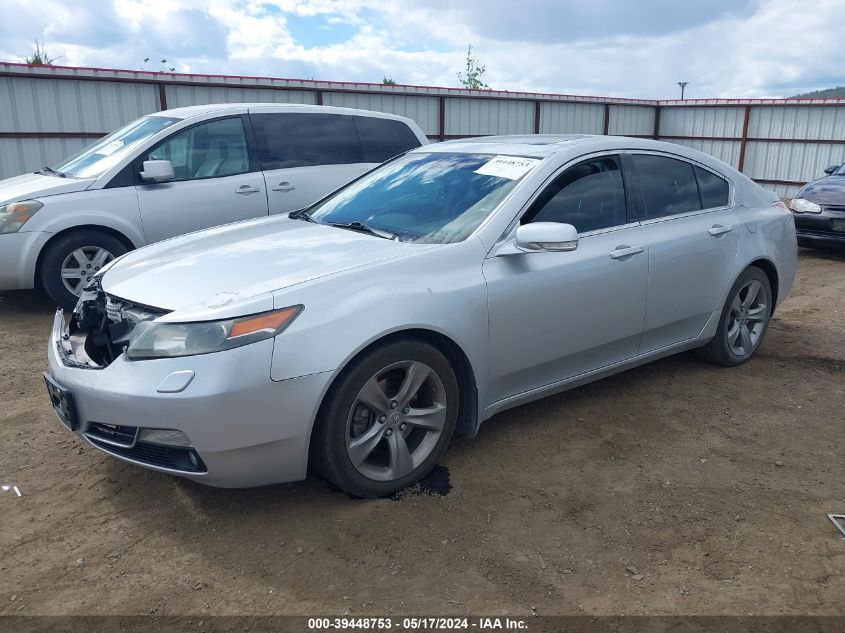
(624, 251)
(283, 186)
(245, 190)
(717, 229)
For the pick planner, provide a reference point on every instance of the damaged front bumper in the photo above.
(216, 418)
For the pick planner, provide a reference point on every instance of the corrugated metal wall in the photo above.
(48, 113)
(475, 117)
(179, 96)
(631, 120)
(797, 122)
(571, 118)
(791, 161)
(36, 105)
(701, 121)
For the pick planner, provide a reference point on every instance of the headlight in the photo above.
(802, 205)
(15, 214)
(169, 340)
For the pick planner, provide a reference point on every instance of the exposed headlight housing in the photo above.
(802, 205)
(150, 339)
(15, 214)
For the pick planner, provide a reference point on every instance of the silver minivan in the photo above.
(178, 171)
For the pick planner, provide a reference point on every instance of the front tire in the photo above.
(69, 263)
(743, 322)
(387, 419)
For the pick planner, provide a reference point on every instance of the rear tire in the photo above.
(387, 419)
(68, 264)
(743, 322)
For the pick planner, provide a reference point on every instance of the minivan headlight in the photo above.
(15, 214)
(802, 205)
(170, 340)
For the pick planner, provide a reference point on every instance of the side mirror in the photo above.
(829, 170)
(546, 236)
(158, 170)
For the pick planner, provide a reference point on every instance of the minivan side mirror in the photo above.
(158, 170)
(829, 170)
(546, 236)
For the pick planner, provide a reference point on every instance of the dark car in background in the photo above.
(819, 210)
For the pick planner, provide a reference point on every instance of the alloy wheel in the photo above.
(747, 318)
(396, 420)
(81, 265)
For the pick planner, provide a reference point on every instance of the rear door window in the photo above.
(713, 189)
(668, 185)
(301, 139)
(382, 139)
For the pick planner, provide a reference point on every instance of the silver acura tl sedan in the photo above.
(357, 335)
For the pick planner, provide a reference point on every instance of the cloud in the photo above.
(737, 48)
(561, 21)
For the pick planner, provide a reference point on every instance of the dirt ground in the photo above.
(675, 488)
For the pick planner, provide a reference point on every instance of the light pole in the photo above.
(682, 84)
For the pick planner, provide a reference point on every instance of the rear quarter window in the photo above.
(382, 139)
(714, 190)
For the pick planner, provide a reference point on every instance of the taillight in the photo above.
(780, 204)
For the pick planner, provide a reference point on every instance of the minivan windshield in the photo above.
(430, 198)
(95, 159)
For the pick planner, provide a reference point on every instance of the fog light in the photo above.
(193, 457)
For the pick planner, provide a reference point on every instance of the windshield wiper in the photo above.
(301, 214)
(364, 228)
(49, 170)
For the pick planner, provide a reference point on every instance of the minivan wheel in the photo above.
(72, 260)
(744, 320)
(387, 419)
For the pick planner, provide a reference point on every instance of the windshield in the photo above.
(434, 198)
(107, 152)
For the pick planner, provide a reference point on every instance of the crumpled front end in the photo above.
(217, 418)
(100, 328)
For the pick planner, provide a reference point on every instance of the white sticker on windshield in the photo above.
(109, 148)
(511, 167)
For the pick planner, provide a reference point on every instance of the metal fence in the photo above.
(50, 112)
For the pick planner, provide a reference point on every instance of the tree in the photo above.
(388, 81)
(40, 56)
(472, 75)
(827, 93)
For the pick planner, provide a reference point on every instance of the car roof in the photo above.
(546, 145)
(188, 112)
(535, 145)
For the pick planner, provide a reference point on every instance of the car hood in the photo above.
(30, 186)
(827, 191)
(235, 262)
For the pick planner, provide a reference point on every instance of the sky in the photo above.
(622, 48)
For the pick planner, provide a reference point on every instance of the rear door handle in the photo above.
(624, 251)
(717, 229)
(283, 186)
(247, 189)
